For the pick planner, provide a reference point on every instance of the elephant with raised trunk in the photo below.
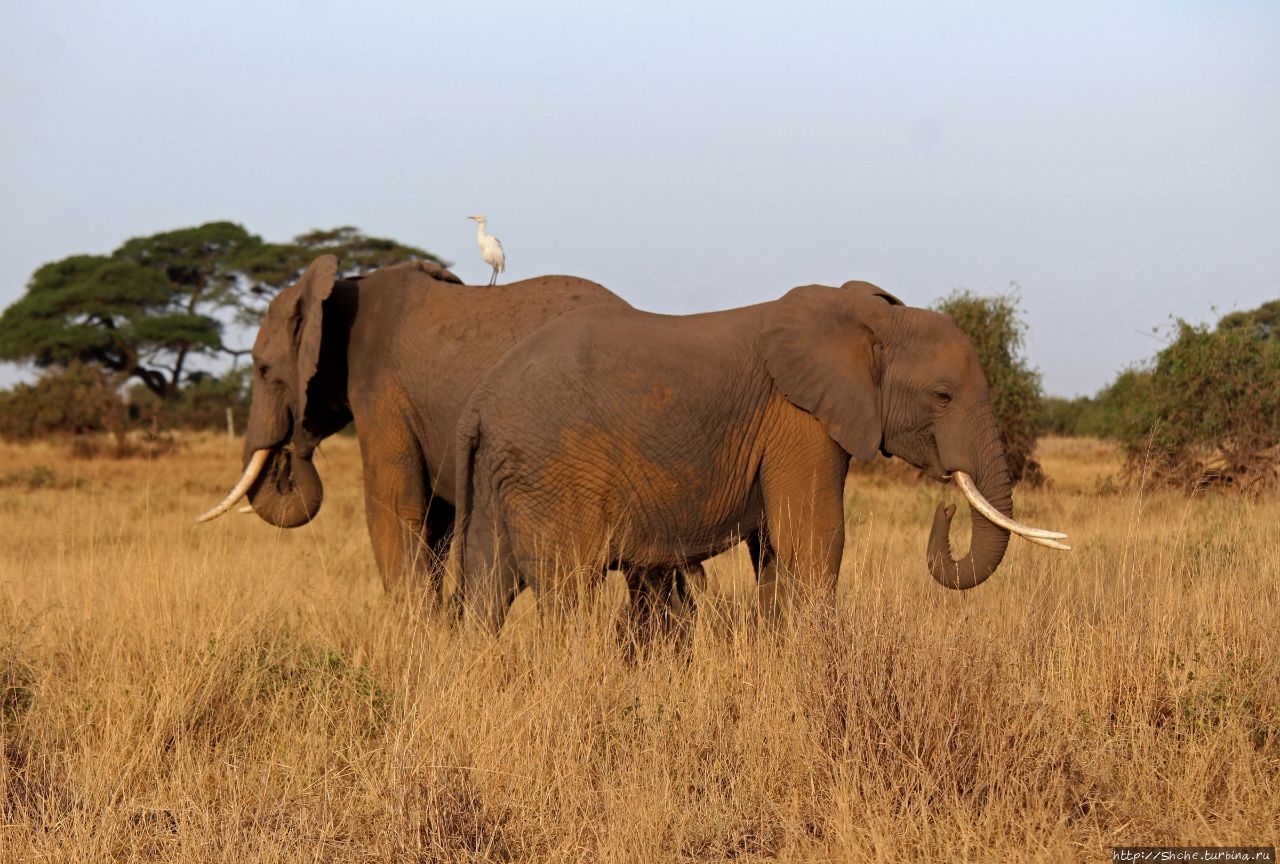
(615, 437)
(399, 352)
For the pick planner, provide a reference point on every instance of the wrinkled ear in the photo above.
(313, 289)
(823, 358)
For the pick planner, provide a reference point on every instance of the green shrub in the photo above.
(202, 404)
(1124, 411)
(1209, 404)
(81, 400)
(76, 400)
(1218, 388)
(1059, 416)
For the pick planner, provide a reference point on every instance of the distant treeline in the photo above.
(80, 399)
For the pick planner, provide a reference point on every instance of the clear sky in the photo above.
(1119, 161)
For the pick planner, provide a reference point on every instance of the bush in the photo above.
(1209, 405)
(1123, 411)
(995, 325)
(1059, 416)
(81, 400)
(201, 404)
(76, 400)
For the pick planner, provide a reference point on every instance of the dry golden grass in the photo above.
(236, 692)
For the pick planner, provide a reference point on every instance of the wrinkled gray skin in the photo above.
(398, 351)
(615, 437)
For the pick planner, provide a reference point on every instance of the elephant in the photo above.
(613, 437)
(398, 351)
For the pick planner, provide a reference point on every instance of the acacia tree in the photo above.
(147, 309)
(995, 326)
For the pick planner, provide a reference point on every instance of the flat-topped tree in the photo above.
(157, 302)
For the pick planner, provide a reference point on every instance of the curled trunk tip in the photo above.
(986, 550)
(288, 493)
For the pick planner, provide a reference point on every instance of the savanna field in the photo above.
(235, 692)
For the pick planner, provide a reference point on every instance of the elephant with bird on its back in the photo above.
(398, 351)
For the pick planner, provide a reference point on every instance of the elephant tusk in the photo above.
(248, 508)
(251, 472)
(1048, 544)
(987, 509)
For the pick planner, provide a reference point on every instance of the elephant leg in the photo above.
(764, 562)
(681, 606)
(662, 607)
(396, 511)
(804, 521)
(809, 548)
(694, 578)
(439, 534)
(760, 550)
(490, 578)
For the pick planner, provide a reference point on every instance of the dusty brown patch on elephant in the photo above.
(595, 520)
(658, 399)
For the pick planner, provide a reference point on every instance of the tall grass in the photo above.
(171, 692)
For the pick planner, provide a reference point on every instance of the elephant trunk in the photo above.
(988, 541)
(288, 491)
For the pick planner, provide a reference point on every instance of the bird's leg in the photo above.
(493, 280)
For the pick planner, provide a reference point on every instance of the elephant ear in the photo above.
(313, 289)
(822, 355)
(864, 293)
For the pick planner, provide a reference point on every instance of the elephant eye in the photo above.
(943, 395)
(263, 369)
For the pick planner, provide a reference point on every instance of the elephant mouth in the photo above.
(933, 471)
(285, 439)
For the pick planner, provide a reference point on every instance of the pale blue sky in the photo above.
(1119, 161)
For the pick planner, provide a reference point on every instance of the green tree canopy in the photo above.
(995, 325)
(147, 309)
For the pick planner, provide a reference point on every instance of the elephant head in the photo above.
(299, 394)
(906, 382)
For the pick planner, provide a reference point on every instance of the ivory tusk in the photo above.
(248, 508)
(1050, 544)
(251, 472)
(987, 509)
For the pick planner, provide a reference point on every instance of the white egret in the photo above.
(490, 248)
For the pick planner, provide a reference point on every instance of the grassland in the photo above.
(235, 692)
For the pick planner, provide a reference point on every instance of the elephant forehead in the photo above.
(273, 344)
(934, 340)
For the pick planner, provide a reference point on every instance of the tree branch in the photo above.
(155, 382)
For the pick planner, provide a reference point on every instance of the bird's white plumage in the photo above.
(490, 248)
